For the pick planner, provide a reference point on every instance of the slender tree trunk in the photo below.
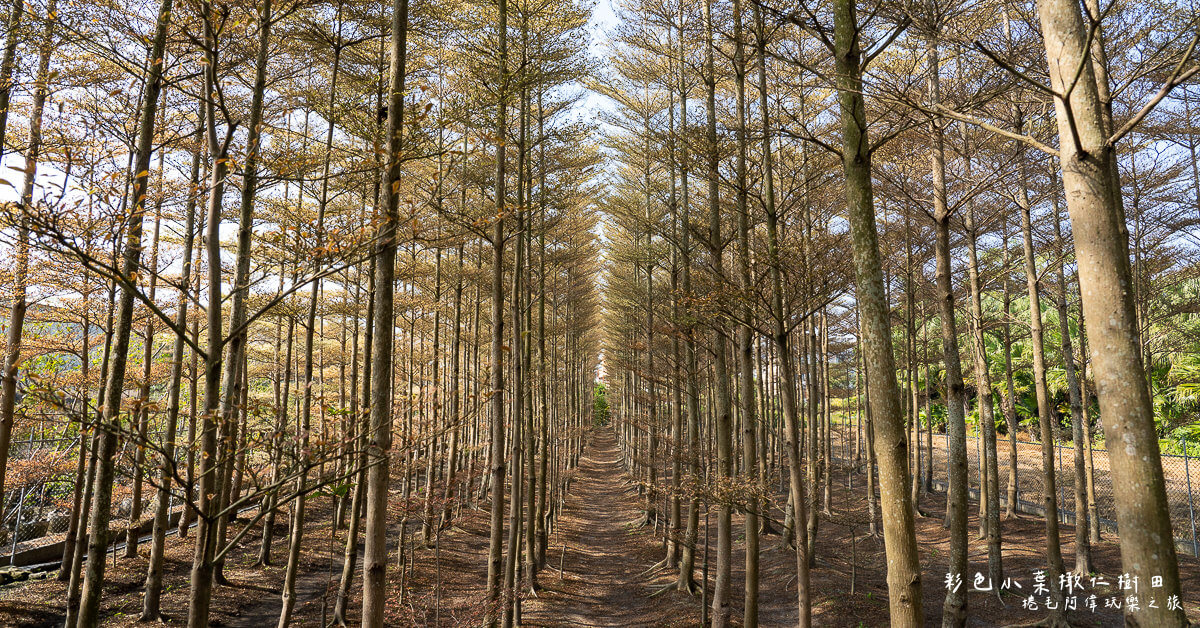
(143, 410)
(210, 487)
(1083, 547)
(1010, 396)
(721, 602)
(1093, 514)
(237, 340)
(454, 412)
(76, 570)
(298, 506)
(686, 581)
(362, 418)
(798, 500)
(542, 532)
(904, 574)
(910, 345)
(380, 438)
(20, 305)
(1054, 561)
(189, 503)
(74, 526)
(745, 339)
(674, 535)
(496, 444)
(271, 500)
(8, 65)
(787, 380)
(151, 601)
(954, 609)
(89, 608)
(990, 498)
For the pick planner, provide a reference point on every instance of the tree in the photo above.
(380, 433)
(1087, 144)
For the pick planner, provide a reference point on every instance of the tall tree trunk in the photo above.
(1093, 200)
(89, 608)
(904, 573)
(8, 65)
(74, 525)
(542, 533)
(780, 333)
(361, 418)
(674, 535)
(16, 316)
(271, 499)
(721, 602)
(910, 346)
(525, 175)
(954, 609)
(454, 412)
(298, 507)
(496, 441)
(380, 440)
(189, 509)
(143, 410)
(1093, 514)
(649, 376)
(1010, 395)
(1054, 561)
(519, 371)
(686, 581)
(152, 599)
(210, 487)
(237, 340)
(745, 339)
(990, 480)
(75, 582)
(1083, 547)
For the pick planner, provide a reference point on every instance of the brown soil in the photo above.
(604, 554)
(604, 551)
(251, 599)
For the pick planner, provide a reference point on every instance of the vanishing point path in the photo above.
(606, 553)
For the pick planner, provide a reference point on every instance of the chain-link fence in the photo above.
(37, 505)
(41, 483)
(38, 502)
(1182, 474)
(1178, 471)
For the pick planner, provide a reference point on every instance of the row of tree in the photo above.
(808, 200)
(263, 252)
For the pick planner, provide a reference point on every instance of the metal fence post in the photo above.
(947, 439)
(12, 555)
(1187, 473)
(1058, 484)
(979, 463)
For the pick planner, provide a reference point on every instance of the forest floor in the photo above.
(604, 555)
(251, 599)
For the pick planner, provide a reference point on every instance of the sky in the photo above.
(49, 179)
(604, 20)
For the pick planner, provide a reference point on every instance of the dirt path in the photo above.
(602, 583)
(606, 553)
(265, 612)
